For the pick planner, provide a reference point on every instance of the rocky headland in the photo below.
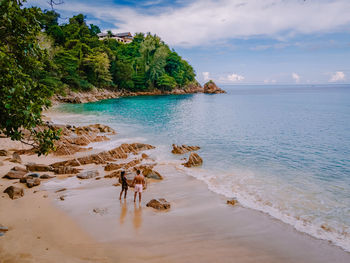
(102, 94)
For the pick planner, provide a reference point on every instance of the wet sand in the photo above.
(200, 226)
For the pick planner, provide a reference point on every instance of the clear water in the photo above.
(284, 150)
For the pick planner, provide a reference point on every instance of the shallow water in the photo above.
(282, 150)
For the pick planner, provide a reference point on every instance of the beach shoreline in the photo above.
(200, 224)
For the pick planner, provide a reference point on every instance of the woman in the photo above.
(125, 185)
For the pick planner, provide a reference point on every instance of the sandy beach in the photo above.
(92, 225)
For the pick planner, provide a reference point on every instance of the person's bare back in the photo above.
(138, 183)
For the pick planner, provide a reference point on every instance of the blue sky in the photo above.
(238, 41)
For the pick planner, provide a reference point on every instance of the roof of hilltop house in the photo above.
(125, 34)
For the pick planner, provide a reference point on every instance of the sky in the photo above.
(237, 41)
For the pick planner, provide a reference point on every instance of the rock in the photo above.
(3, 229)
(98, 178)
(211, 88)
(4, 153)
(144, 156)
(149, 173)
(100, 211)
(232, 202)
(184, 149)
(193, 160)
(33, 175)
(33, 167)
(16, 158)
(131, 164)
(31, 182)
(14, 192)
(61, 190)
(66, 170)
(62, 197)
(88, 174)
(103, 128)
(113, 166)
(115, 174)
(117, 184)
(46, 176)
(15, 173)
(120, 152)
(159, 204)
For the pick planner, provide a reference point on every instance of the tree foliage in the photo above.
(25, 88)
(40, 57)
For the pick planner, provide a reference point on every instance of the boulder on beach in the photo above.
(14, 192)
(150, 173)
(104, 157)
(33, 167)
(16, 158)
(16, 172)
(211, 88)
(193, 160)
(66, 170)
(3, 229)
(159, 204)
(184, 149)
(88, 174)
(113, 166)
(46, 176)
(4, 153)
(31, 182)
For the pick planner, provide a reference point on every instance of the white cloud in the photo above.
(296, 77)
(337, 76)
(206, 76)
(231, 78)
(208, 22)
(267, 81)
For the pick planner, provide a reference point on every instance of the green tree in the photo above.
(122, 75)
(98, 67)
(22, 95)
(166, 82)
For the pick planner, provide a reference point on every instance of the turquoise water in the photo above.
(284, 150)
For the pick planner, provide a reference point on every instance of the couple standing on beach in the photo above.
(138, 183)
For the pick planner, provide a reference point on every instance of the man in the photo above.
(138, 183)
(125, 185)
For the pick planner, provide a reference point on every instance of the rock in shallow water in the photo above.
(184, 149)
(193, 160)
(211, 88)
(232, 202)
(159, 204)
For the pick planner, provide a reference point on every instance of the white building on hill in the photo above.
(125, 37)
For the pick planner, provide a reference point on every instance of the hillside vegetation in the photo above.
(40, 57)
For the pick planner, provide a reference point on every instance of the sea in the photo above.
(283, 150)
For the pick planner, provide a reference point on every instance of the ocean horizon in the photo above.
(280, 149)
